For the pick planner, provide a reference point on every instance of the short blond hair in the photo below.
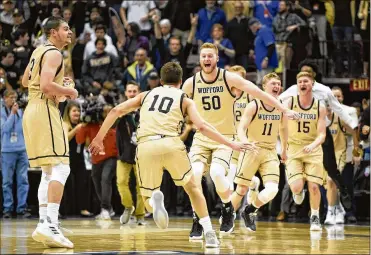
(305, 74)
(209, 46)
(238, 69)
(270, 76)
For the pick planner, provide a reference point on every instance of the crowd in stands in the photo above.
(109, 59)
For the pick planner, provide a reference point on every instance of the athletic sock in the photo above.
(52, 212)
(206, 224)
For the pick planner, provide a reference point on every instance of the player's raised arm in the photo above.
(124, 108)
(321, 130)
(52, 61)
(245, 121)
(245, 85)
(187, 87)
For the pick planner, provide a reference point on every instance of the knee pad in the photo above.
(269, 192)
(231, 175)
(42, 193)
(60, 173)
(217, 174)
(198, 169)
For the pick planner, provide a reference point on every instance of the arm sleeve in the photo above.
(338, 109)
(270, 50)
(187, 50)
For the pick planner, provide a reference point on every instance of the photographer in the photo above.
(14, 158)
(126, 144)
(104, 165)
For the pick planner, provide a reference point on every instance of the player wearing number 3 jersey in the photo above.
(212, 91)
(162, 112)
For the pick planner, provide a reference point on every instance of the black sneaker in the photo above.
(228, 216)
(197, 230)
(24, 215)
(7, 215)
(249, 219)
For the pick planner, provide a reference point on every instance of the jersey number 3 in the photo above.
(32, 64)
(164, 106)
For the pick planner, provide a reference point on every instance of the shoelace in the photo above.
(252, 217)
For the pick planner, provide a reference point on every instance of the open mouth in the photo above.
(207, 65)
(303, 88)
(275, 91)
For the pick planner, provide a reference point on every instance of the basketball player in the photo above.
(46, 140)
(305, 155)
(211, 89)
(162, 112)
(263, 124)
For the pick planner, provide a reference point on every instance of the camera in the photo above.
(22, 103)
(92, 111)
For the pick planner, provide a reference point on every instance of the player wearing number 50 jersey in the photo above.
(162, 112)
(263, 124)
(211, 89)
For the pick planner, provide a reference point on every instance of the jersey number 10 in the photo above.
(164, 106)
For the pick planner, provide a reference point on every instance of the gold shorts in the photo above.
(340, 159)
(265, 161)
(208, 151)
(235, 156)
(153, 156)
(45, 137)
(302, 165)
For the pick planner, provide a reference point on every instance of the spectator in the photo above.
(98, 68)
(226, 51)
(365, 124)
(209, 16)
(104, 166)
(265, 49)
(67, 14)
(139, 70)
(153, 80)
(286, 28)
(132, 42)
(89, 27)
(21, 48)
(231, 11)
(363, 15)
(265, 11)
(79, 176)
(165, 26)
(4, 84)
(18, 23)
(342, 33)
(138, 12)
(319, 15)
(175, 52)
(12, 72)
(237, 30)
(13, 156)
(6, 16)
(100, 32)
(126, 144)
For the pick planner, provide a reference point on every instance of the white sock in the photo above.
(42, 212)
(206, 224)
(52, 212)
(314, 212)
(331, 208)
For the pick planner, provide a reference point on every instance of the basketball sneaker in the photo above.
(50, 235)
(125, 217)
(141, 222)
(197, 229)
(160, 215)
(299, 198)
(330, 218)
(339, 215)
(211, 241)
(35, 235)
(104, 215)
(315, 224)
(253, 190)
(249, 219)
(227, 217)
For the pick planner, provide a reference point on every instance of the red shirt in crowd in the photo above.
(109, 142)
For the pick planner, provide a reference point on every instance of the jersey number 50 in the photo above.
(211, 102)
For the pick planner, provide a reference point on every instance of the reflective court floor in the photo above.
(110, 237)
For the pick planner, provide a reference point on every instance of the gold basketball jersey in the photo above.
(239, 107)
(161, 112)
(264, 126)
(338, 133)
(215, 102)
(304, 131)
(36, 62)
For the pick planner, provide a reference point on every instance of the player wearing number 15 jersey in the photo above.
(263, 124)
(211, 89)
(305, 155)
(162, 112)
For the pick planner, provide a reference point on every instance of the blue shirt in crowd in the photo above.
(223, 58)
(264, 38)
(12, 139)
(206, 19)
(265, 11)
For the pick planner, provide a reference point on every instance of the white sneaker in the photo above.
(51, 236)
(35, 235)
(125, 217)
(160, 215)
(141, 222)
(299, 198)
(104, 215)
(315, 224)
(339, 215)
(253, 192)
(330, 218)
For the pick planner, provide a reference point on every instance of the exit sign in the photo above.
(359, 85)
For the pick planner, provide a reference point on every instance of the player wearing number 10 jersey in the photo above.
(212, 91)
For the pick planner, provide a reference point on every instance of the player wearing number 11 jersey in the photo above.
(212, 91)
